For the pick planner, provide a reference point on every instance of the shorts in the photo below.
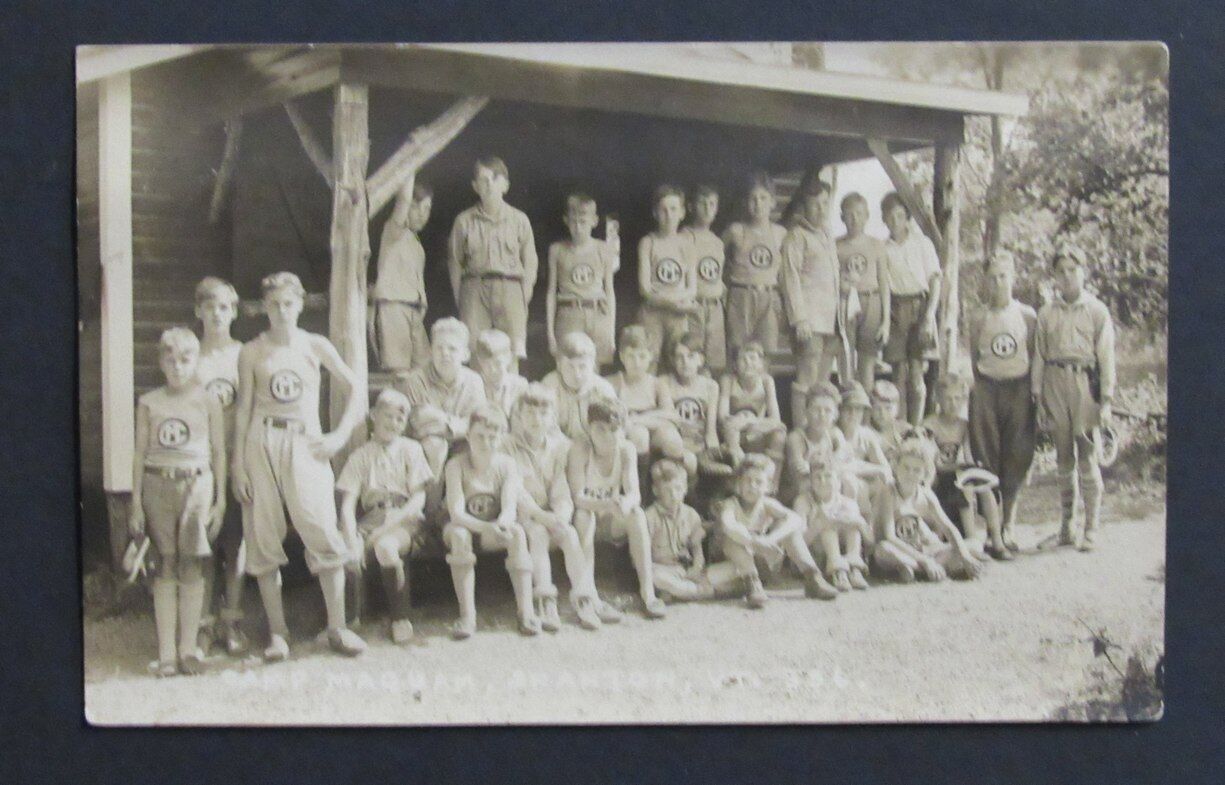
(408, 537)
(591, 317)
(176, 519)
(495, 303)
(403, 341)
(868, 322)
(663, 327)
(906, 320)
(753, 314)
(710, 322)
(286, 478)
(612, 527)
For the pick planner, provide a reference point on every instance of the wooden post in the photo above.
(906, 190)
(350, 244)
(946, 201)
(225, 172)
(115, 246)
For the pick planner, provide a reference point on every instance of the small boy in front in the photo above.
(576, 384)
(580, 295)
(650, 423)
(833, 523)
(281, 460)
(483, 491)
(495, 362)
(906, 544)
(667, 273)
(399, 287)
(178, 496)
(754, 526)
(1073, 382)
(492, 258)
(603, 473)
(387, 476)
(864, 268)
(709, 321)
(676, 532)
(217, 369)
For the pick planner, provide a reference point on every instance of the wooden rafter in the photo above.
(905, 189)
(422, 145)
(310, 143)
(225, 172)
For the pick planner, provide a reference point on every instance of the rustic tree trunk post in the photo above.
(946, 203)
(350, 245)
(115, 245)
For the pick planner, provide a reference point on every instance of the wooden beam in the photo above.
(905, 189)
(310, 143)
(115, 247)
(422, 145)
(946, 199)
(96, 62)
(225, 172)
(350, 244)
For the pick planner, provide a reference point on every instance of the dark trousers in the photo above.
(1002, 433)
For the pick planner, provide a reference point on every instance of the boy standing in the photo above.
(387, 476)
(754, 308)
(709, 321)
(864, 267)
(399, 290)
(217, 369)
(178, 496)
(1002, 426)
(580, 294)
(1073, 382)
(281, 456)
(576, 384)
(667, 273)
(492, 258)
(810, 287)
(913, 278)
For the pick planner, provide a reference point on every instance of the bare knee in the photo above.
(387, 552)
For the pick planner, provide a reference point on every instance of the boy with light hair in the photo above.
(576, 384)
(495, 362)
(580, 296)
(709, 321)
(864, 270)
(398, 301)
(667, 273)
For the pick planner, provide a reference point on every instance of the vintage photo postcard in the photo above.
(436, 384)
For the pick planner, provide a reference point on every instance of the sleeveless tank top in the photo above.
(581, 271)
(672, 261)
(483, 492)
(597, 485)
(218, 372)
(948, 445)
(287, 381)
(755, 257)
(178, 428)
(709, 251)
(642, 397)
(741, 399)
(908, 523)
(1003, 343)
(690, 402)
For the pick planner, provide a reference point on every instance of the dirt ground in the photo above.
(1015, 645)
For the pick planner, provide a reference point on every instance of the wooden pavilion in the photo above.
(199, 160)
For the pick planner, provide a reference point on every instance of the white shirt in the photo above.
(912, 263)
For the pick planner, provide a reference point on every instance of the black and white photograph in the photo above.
(674, 383)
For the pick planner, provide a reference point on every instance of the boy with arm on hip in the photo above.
(651, 416)
(864, 269)
(281, 460)
(178, 496)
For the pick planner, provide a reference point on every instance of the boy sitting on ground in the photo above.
(387, 477)
(834, 523)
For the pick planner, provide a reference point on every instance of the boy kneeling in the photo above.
(388, 475)
(483, 490)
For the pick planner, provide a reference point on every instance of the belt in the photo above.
(285, 423)
(417, 304)
(914, 296)
(177, 472)
(395, 500)
(493, 276)
(581, 302)
(1072, 365)
(757, 287)
(710, 300)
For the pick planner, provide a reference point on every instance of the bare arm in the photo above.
(550, 299)
(455, 258)
(512, 487)
(457, 503)
(136, 516)
(629, 477)
(1037, 363)
(772, 414)
(216, 441)
(244, 411)
(348, 516)
(355, 408)
(529, 259)
(733, 529)
(788, 522)
(712, 417)
(644, 272)
(1104, 350)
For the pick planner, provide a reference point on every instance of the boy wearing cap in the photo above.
(178, 496)
(281, 460)
(913, 276)
(387, 477)
(399, 302)
(1002, 421)
(709, 321)
(864, 268)
(580, 295)
(492, 258)
(1073, 382)
(667, 273)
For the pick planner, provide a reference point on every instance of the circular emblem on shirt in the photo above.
(948, 453)
(761, 257)
(856, 264)
(222, 390)
(1004, 345)
(582, 275)
(483, 506)
(668, 272)
(907, 528)
(286, 386)
(709, 269)
(173, 432)
(690, 409)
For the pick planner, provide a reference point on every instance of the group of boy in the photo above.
(485, 461)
